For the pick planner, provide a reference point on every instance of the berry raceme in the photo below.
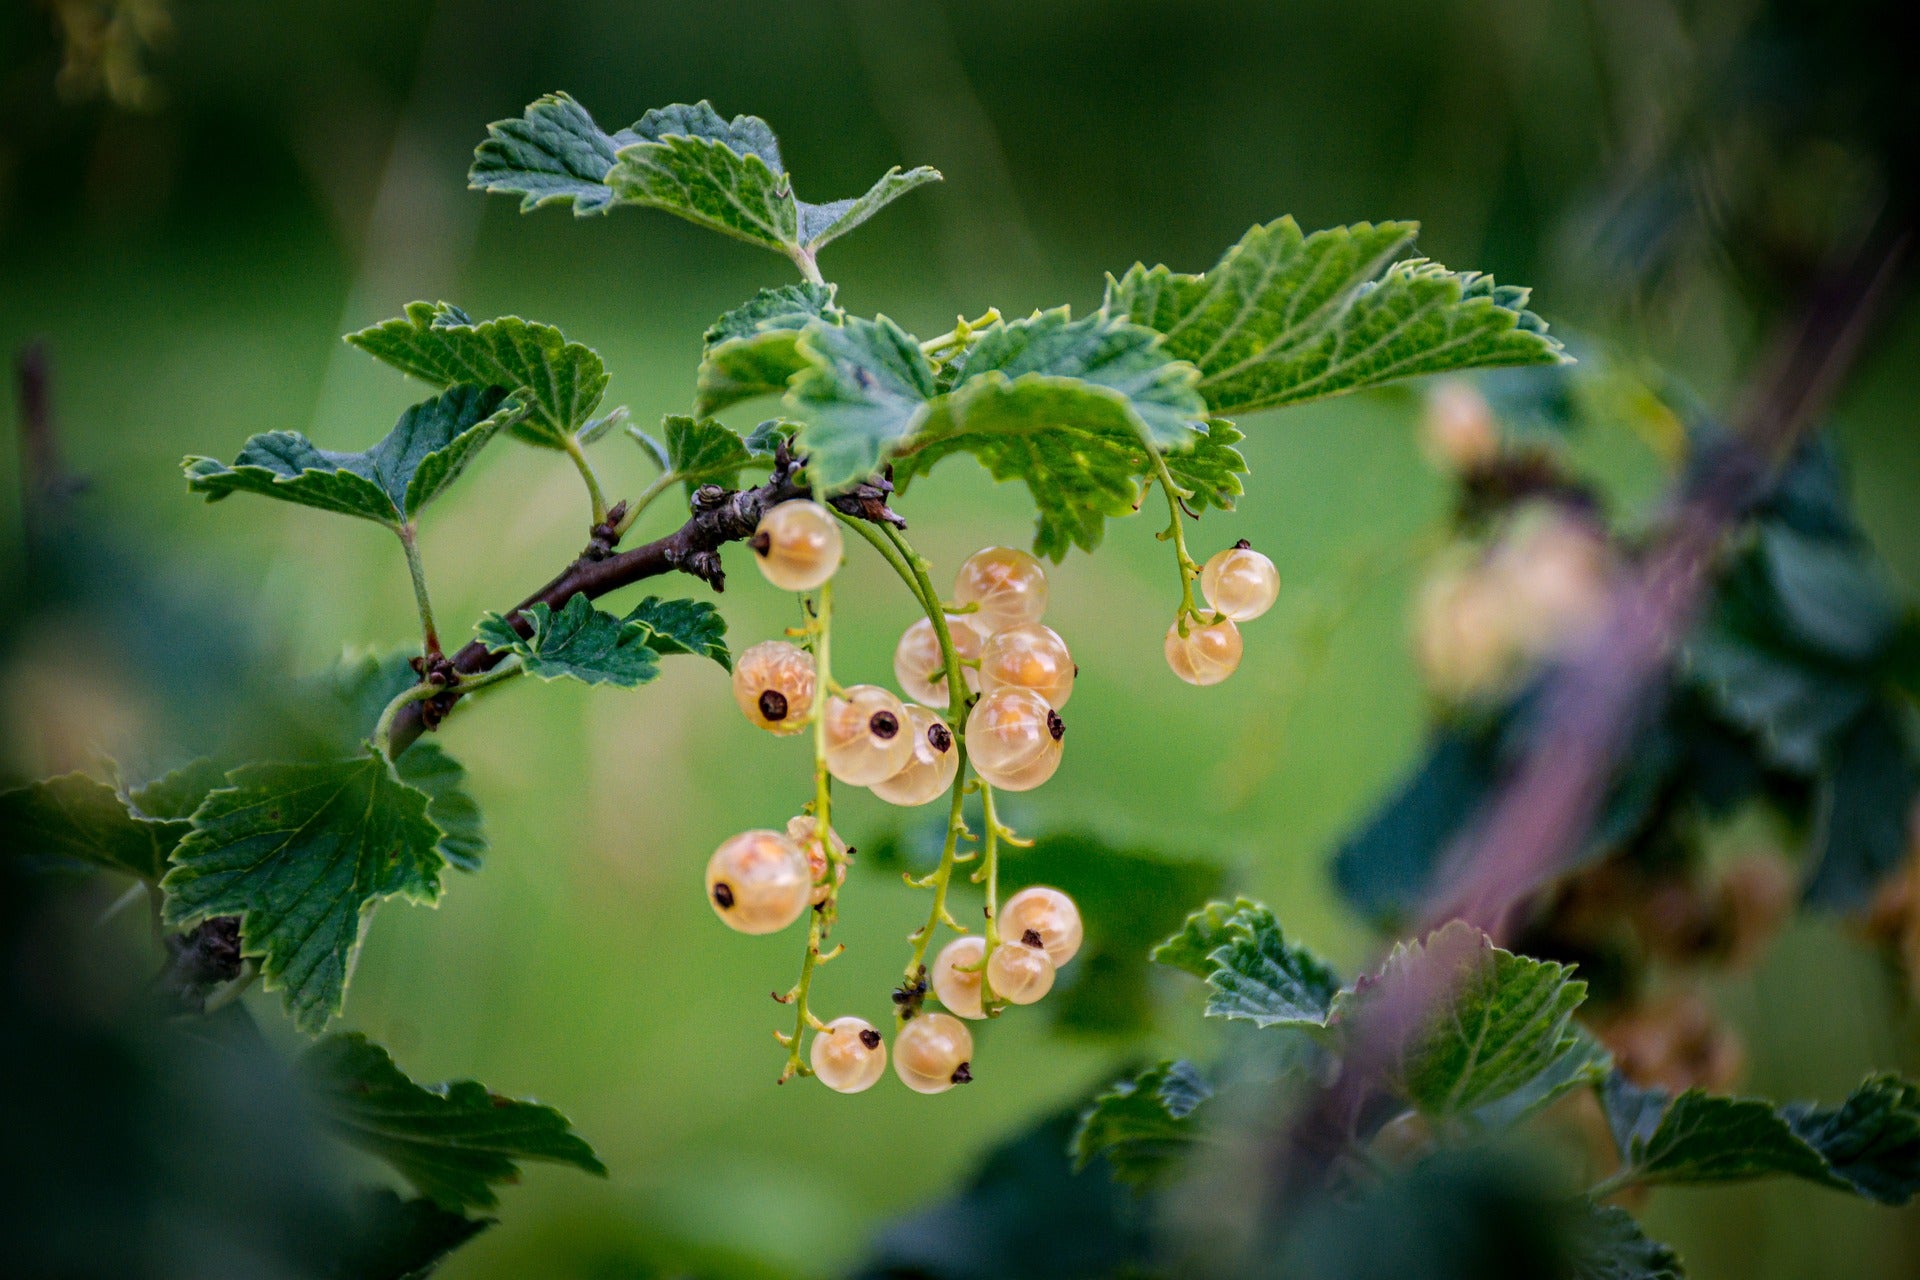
(1014, 738)
(1008, 586)
(797, 544)
(868, 735)
(1207, 654)
(848, 1056)
(1048, 913)
(773, 684)
(930, 768)
(758, 882)
(1240, 583)
(1031, 656)
(800, 830)
(933, 1052)
(920, 667)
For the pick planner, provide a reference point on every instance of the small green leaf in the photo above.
(1701, 1137)
(427, 767)
(454, 1142)
(1144, 1124)
(702, 451)
(682, 626)
(440, 345)
(76, 822)
(865, 390)
(1864, 807)
(1210, 471)
(1871, 1141)
(172, 797)
(396, 1239)
(1285, 318)
(1257, 976)
(753, 349)
(1584, 1064)
(1205, 932)
(553, 154)
(820, 224)
(1609, 1245)
(300, 852)
(580, 643)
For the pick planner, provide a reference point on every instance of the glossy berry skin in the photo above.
(1030, 657)
(919, 666)
(953, 984)
(1029, 775)
(849, 1056)
(800, 831)
(933, 1053)
(868, 737)
(758, 882)
(1009, 728)
(773, 684)
(1206, 654)
(1240, 583)
(1009, 586)
(1019, 972)
(929, 770)
(1047, 912)
(797, 545)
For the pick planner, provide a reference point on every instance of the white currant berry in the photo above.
(956, 975)
(1240, 582)
(773, 683)
(1031, 774)
(930, 768)
(1010, 727)
(1457, 430)
(1033, 657)
(758, 881)
(800, 830)
(1206, 654)
(797, 544)
(1020, 971)
(933, 1053)
(1463, 637)
(920, 667)
(868, 739)
(849, 1055)
(1047, 912)
(1009, 586)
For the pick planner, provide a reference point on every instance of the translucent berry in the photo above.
(849, 1055)
(800, 830)
(1031, 774)
(1240, 583)
(1010, 727)
(921, 669)
(1206, 654)
(1048, 913)
(1009, 586)
(868, 739)
(1020, 971)
(933, 1053)
(758, 881)
(930, 768)
(798, 545)
(956, 975)
(1030, 657)
(773, 683)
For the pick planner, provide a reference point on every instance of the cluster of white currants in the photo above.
(1239, 584)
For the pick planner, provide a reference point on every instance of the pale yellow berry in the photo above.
(956, 975)
(758, 882)
(920, 667)
(800, 830)
(773, 683)
(1010, 729)
(1047, 912)
(929, 770)
(1009, 586)
(1020, 972)
(1030, 657)
(1207, 654)
(1457, 430)
(797, 544)
(1463, 637)
(1029, 775)
(933, 1053)
(849, 1055)
(1240, 583)
(867, 736)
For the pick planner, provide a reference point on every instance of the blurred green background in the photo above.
(300, 172)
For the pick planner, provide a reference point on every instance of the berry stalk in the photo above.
(820, 920)
(1188, 569)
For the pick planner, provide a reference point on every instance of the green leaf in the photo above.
(1864, 807)
(1871, 1141)
(75, 822)
(1701, 1137)
(1144, 1124)
(579, 643)
(172, 797)
(1210, 471)
(1256, 975)
(301, 852)
(1584, 1064)
(1609, 1245)
(439, 344)
(1285, 318)
(866, 389)
(553, 154)
(753, 349)
(1830, 596)
(1205, 932)
(682, 626)
(702, 451)
(425, 766)
(396, 1239)
(821, 224)
(1794, 704)
(454, 1142)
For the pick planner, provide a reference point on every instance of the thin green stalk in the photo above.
(1620, 1180)
(594, 495)
(810, 269)
(1188, 569)
(660, 485)
(820, 630)
(989, 873)
(382, 737)
(429, 637)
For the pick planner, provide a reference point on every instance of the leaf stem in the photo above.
(382, 737)
(665, 481)
(1188, 569)
(1621, 1178)
(417, 570)
(803, 258)
(571, 444)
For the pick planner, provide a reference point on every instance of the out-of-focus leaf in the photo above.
(1871, 1141)
(1793, 705)
(1385, 868)
(1832, 597)
(74, 822)
(1701, 1137)
(1866, 797)
(1143, 1124)
(1609, 1245)
(396, 1239)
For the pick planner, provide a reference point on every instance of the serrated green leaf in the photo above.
(1702, 1137)
(1608, 1244)
(1285, 318)
(388, 483)
(427, 767)
(74, 822)
(396, 1239)
(173, 796)
(1210, 471)
(553, 154)
(821, 224)
(1205, 931)
(1142, 1125)
(1871, 1141)
(753, 349)
(702, 451)
(454, 1142)
(1257, 976)
(1584, 1064)
(439, 344)
(682, 626)
(578, 643)
(1863, 810)
(301, 852)
(866, 388)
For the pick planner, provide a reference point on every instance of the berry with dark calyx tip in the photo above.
(866, 741)
(1009, 586)
(797, 545)
(1008, 728)
(849, 1055)
(773, 683)
(1207, 654)
(929, 769)
(1048, 914)
(1020, 972)
(911, 994)
(800, 830)
(933, 1053)
(956, 975)
(1240, 583)
(758, 881)
(920, 667)
(1033, 657)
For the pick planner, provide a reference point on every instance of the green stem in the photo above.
(660, 485)
(1619, 1181)
(429, 638)
(960, 335)
(1188, 569)
(810, 269)
(594, 495)
(820, 628)
(383, 727)
(989, 872)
